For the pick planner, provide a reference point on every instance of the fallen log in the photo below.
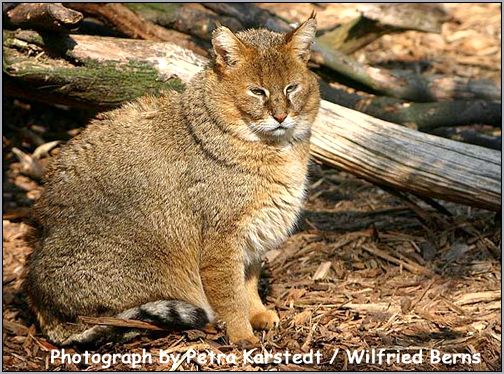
(378, 151)
(395, 156)
(92, 71)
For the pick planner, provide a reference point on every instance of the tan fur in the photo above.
(177, 197)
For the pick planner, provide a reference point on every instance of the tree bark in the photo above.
(379, 151)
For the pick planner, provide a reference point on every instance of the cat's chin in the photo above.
(271, 132)
(272, 135)
(278, 132)
(282, 134)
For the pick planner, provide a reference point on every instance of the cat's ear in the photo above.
(300, 40)
(229, 50)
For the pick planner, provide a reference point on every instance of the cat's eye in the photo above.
(258, 91)
(290, 88)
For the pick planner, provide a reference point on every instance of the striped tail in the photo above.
(171, 313)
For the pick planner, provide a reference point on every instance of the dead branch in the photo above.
(395, 156)
(422, 116)
(43, 16)
(407, 264)
(403, 84)
(119, 322)
(470, 136)
(92, 71)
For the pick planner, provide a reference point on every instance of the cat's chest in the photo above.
(273, 219)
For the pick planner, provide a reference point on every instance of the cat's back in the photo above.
(114, 163)
(123, 134)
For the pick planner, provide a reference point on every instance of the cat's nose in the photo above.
(280, 117)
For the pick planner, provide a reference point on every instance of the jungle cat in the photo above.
(160, 210)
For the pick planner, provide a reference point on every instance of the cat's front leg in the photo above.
(260, 317)
(223, 277)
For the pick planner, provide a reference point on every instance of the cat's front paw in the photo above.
(265, 320)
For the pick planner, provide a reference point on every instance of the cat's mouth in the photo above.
(274, 128)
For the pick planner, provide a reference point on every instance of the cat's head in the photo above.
(265, 90)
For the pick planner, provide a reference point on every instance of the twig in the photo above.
(434, 204)
(422, 214)
(118, 322)
(478, 297)
(372, 307)
(414, 268)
